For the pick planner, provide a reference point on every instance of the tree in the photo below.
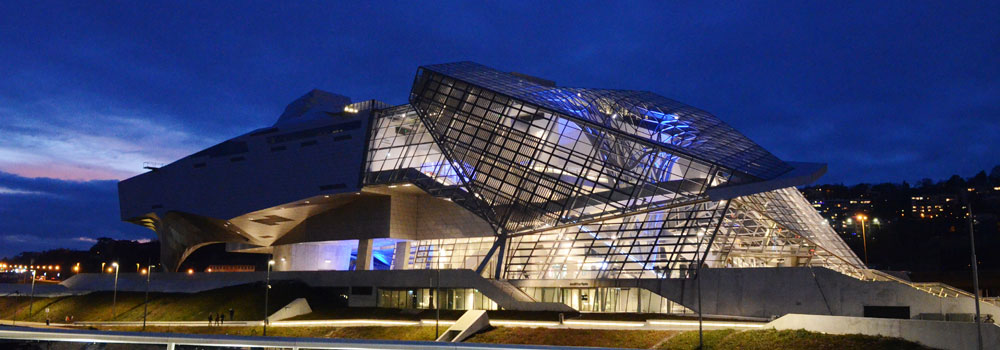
(926, 183)
(956, 183)
(980, 180)
(995, 175)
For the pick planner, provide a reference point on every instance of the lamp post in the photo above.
(114, 295)
(31, 299)
(864, 239)
(145, 303)
(267, 290)
(975, 274)
(437, 306)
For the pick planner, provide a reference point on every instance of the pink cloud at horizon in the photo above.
(66, 171)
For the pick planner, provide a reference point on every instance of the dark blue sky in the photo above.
(881, 91)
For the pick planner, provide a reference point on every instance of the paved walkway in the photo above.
(682, 325)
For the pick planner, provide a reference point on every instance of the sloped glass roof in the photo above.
(674, 125)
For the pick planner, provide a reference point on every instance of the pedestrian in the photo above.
(211, 319)
(231, 317)
(222, 318)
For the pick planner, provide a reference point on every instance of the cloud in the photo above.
(68, 215)
(14, 191)
(16, 238)
(75, 141)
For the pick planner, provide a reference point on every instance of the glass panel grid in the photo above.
(533, 168)
(618, 175)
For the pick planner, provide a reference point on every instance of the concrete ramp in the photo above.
(295, 308)
(470, 323)
(936, 334)
(509, 297)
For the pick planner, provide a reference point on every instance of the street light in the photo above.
(975, 272)
(864, 239)
(145, 303)
(267, 291)
(31, 300)
(114, 297)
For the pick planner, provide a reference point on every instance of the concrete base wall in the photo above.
(751, 292)
(184, 283)
(773, 292)
(24, 289)
(935, 334)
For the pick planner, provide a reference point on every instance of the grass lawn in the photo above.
(572, 337)
(769, 339)
(726, 339)
(387, 333)
(246, 300)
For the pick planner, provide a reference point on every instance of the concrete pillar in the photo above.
(401, 256)
(364, 261)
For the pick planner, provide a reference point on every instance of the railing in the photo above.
(170, 341)
(938, 289)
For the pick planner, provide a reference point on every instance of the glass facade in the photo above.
(423, 298)
(608, 299)
(452, 253)
(589, 183)
(534, 168)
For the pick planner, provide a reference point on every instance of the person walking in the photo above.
(222, 318)
(231, 317)
(211, 319)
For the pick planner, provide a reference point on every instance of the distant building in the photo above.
(936, 207)
(841, 211)
(231, 268)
